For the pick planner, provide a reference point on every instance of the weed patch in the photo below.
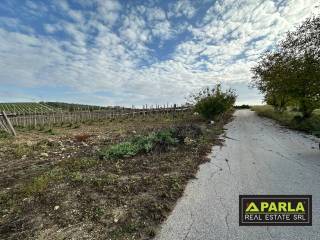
(140, 144)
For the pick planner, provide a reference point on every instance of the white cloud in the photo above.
(162, 30)
(155, 14)
(182, 8)
(50, 28)
(223, 47)
(76, 15)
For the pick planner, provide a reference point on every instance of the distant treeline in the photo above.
(243, 106)
(75, 107)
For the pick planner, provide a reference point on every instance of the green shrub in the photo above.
(143, 142)
(165, 137)
(139, 144)
(125, 149)
(211, 103)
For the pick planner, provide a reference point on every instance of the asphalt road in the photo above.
(259, 157)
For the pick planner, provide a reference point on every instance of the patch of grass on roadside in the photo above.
(292, 119)
(40, 183)
(78, 164)
(21, 150)
(69, 169)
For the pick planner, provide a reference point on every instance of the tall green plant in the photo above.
(209, 103)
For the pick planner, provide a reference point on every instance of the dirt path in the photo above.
(259, 157)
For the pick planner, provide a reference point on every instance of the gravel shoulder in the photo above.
(258, 157)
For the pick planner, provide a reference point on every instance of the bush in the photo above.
(125, 149)
(211, 103)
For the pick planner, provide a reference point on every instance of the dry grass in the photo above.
(82, 137)
(292, 119)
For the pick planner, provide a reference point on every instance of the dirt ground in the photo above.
(54, 185)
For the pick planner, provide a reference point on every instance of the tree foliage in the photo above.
(209, 103)
(290, 75)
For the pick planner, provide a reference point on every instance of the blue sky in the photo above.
(110, 52)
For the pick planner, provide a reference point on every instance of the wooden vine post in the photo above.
(8, 124)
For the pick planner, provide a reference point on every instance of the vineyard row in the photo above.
(83, 116)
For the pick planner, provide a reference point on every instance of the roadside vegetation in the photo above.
(291, 119)
(289, 77)
(103, 180)
(210, 103)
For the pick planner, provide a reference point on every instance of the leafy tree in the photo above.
(270, 76)
(291, 74)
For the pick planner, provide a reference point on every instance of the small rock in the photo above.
(24, 157)
(211, 122)
(85, 144)
(44, 155)
(134, 132)
(56, 207)
(118, 214)
(188, 141)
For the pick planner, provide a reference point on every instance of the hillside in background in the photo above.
(26, 107)
(74, 106)
(46, 107)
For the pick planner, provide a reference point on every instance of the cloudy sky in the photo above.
(111, 52)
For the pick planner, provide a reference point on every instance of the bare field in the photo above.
(55, 185)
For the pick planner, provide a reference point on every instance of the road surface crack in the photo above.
(231, 138)
(227, 161)
(227, 223)
(268, 231)
(190, 227)
(227, 213)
